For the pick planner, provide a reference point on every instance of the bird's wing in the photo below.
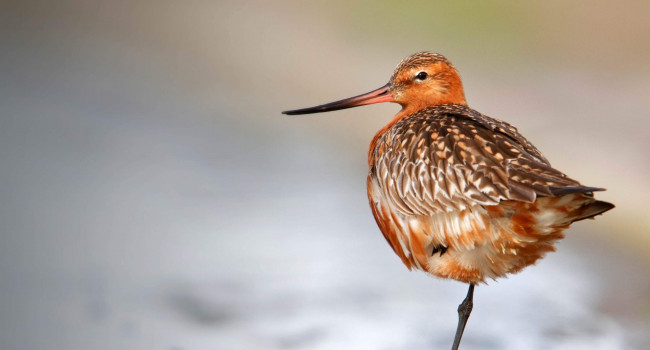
(448, 158)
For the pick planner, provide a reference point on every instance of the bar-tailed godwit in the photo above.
(456, 193)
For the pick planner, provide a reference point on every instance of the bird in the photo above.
(456, 193)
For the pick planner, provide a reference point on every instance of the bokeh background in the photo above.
(153, 196)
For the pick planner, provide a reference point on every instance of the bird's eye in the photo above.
(421, 76)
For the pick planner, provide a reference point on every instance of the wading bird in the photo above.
(456, 193)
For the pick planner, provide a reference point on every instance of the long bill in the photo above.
(383, 94)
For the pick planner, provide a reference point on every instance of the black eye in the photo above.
(421, 76)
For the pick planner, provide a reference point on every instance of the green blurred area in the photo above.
(463, 26)
(582, 33)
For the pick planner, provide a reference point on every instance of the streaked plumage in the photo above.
(448, 176)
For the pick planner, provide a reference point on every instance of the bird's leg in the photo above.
(464, 309)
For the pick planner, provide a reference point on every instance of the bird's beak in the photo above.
(383, 94)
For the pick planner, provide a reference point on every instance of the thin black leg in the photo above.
(464, 309)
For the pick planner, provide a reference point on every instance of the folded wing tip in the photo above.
(561, 191)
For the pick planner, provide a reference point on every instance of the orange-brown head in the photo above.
(426, 79)
(421, 80)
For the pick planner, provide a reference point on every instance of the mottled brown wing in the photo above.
(448, 158)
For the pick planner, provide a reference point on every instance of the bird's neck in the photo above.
(407, 110)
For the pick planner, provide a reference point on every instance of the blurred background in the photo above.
(153, 196)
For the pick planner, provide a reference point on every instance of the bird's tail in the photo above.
(589, 206)
(590, 209)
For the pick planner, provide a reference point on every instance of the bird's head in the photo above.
(421, 80)
(426, 79)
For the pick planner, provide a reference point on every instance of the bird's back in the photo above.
(465, 196)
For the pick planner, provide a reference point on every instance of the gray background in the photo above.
(153, 197)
